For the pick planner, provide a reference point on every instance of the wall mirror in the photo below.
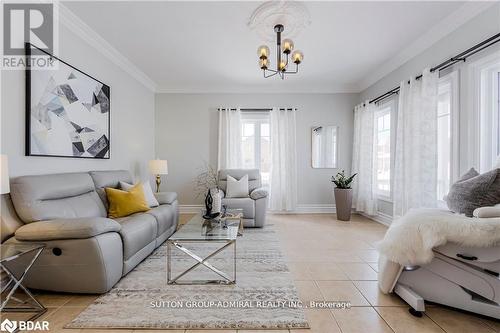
(324, 146)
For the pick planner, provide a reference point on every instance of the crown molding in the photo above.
(81, 29)
(340, 89)
(452, 22)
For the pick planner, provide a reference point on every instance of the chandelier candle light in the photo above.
(283, 50)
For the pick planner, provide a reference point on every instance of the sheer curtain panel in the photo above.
(283, 189)
(229, 152)
(364, 199)
(415, 159)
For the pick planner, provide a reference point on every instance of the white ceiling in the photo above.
(208, 47)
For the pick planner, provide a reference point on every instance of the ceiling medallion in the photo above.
(292, 14)
(283, 50)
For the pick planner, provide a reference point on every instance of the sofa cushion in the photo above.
(55, 196)
(472, 191)
(66, 229)
(110, 178)
(487, 212)
(237, 188)
(165, 197)
(138, 230)
(148, 192)
(124, 203)
(165, 216)
(254, 179)
(259, 193)
(247, 204)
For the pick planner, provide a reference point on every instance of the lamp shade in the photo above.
(158, 167)
(4, 174)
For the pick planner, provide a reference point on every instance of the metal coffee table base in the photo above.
(226, 279)
(14, 284)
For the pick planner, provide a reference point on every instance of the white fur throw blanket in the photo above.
(410, 239)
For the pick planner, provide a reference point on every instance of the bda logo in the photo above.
(9, 326)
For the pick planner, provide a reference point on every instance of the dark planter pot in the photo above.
(343, 203)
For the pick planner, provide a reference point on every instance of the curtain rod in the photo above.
(450, 62)
(256, 109)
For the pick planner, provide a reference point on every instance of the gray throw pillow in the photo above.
(474, 190)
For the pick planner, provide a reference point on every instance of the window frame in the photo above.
(256, 118)
(482, 150)
(392, 104)
(451, 78)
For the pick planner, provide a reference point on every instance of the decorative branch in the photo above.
(206, 179)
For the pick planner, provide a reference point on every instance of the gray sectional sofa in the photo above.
(86, 252)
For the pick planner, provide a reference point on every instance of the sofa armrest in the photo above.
(487, 212)
(165, 197)
(222, 194)
(259, 193)
(66, 229)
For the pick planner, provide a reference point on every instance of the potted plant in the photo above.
(343, 195)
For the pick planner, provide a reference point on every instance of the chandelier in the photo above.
(283, 58)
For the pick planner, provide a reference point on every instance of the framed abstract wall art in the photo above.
(67, 111)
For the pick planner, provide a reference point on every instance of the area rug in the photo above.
(264, 296)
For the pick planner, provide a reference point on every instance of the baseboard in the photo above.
(380, 218)
(190, 209)
(301, 209)
(310, 209)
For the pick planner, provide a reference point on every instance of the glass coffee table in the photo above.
(223, 231)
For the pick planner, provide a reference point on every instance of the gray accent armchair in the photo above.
(255, 205)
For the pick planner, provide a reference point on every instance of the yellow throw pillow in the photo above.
(124, 203)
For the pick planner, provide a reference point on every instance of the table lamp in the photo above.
(158, 168)
(4, 174)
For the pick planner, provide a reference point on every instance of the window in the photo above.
(256, 144)
(383, 144)
(447, 134)
(488, 82)
(443, 138)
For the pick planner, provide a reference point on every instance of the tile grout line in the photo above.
(389, 325)
(425, 314)
(373, 307)
(331, 313)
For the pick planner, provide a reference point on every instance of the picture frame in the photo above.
(67, 111)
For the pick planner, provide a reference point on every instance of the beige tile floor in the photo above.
(329, 260)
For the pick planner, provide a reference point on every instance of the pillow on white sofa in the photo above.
(487, 212)
(237, 188)
(148, 193)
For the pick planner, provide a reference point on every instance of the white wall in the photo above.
(186, 135)
(132, 116)
(476, 30)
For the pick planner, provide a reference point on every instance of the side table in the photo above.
(16, 254)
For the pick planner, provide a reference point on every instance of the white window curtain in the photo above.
(229, 153)
(364, 199)
(283, 189)
(415, 159)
